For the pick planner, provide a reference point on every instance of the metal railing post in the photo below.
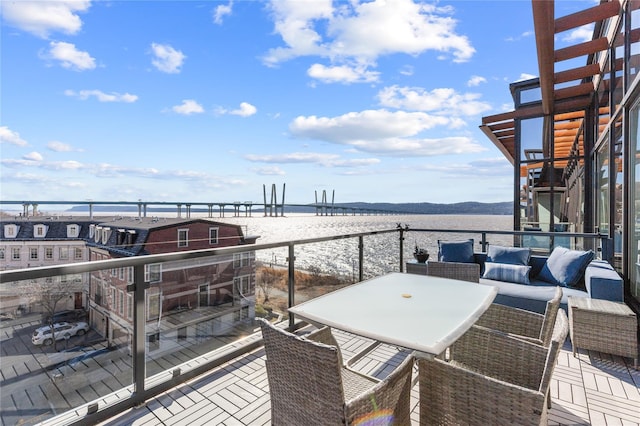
(484, 243)
(138, 342)
(291, 283)
(360, 257)
(401, 248)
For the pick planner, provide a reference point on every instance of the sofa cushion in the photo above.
(565, 267)
(511, 255)
(507, 272)
(456, 251)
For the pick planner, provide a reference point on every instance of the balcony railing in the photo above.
(159, 320)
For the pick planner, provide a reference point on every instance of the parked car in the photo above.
(62, 330)
(72, 315)
(6, 317)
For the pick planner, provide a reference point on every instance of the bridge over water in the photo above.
(184, 209)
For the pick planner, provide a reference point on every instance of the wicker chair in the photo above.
(524, 324)
(490, 379)
(309, 386)
(455, 270)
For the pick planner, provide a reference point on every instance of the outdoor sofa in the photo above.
(528, 281)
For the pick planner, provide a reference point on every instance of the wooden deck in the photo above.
(591, 389)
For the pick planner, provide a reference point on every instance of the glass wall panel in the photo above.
(634, 202)
(602, 187)
(531, 139)
(619, 180)
(633, 63)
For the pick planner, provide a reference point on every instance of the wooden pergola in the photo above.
(565, 93)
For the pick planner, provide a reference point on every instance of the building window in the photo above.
(48, 253)
(73, 231)
(121, 302)
(39, 230)
(129, 306)
(77, 253)
(113, 298)
(183, 237)
(213, 235)
(33, 253)
(15, 253)
(153, 273)
(1, 253)
(10, 231)
(64, 253)
(241, 259)
(121, 274)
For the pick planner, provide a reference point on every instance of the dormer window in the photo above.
(98, 234)
(73, 231)
(11, 231)
(92, 230)
(40, 230)
(106, 233)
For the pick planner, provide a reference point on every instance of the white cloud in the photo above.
(188, 107)
(342, 74)
(9, 136)
(101, 96)
(33, 156)
(69, 56)
(221, 11)
(245, 110)
(384, 132)
(344, 34)
(44, 17)
(441, 101)
(580, 34)
(269, 171)
(325, 160)
(524, 76)
(476, 80)
(62, 147)
(166, 58)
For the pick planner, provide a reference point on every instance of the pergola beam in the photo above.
(543, 22)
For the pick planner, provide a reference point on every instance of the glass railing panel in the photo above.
(196, 306)
(55, 354)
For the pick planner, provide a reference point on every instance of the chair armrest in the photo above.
(512, 320)
(451, 394)
(603, 282)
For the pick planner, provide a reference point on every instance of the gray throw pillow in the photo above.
(518, 274)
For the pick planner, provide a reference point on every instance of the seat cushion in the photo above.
(456, 251)
(565, 267)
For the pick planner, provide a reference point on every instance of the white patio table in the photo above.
(423, 313)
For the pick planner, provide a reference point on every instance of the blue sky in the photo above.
(207, 101)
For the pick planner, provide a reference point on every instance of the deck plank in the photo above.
(588, 389)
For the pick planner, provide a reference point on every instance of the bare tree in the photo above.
(49, 295)
(266, 281)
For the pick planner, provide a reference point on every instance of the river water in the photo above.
(381, 252)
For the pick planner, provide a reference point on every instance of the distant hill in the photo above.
(468, 207)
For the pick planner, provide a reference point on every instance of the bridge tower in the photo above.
(273, 205)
